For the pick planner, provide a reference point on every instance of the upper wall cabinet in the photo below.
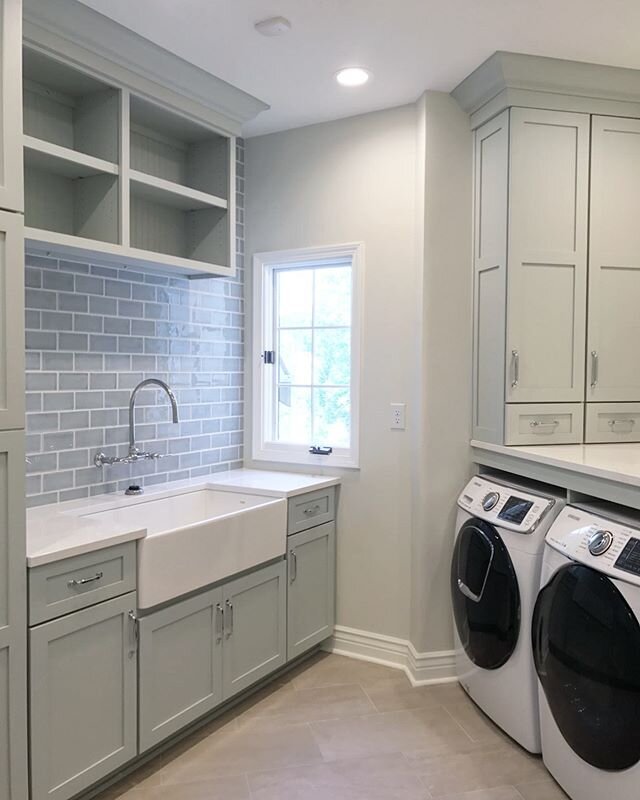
(11, 194)
(126, 164)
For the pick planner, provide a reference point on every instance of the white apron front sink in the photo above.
(200, 537)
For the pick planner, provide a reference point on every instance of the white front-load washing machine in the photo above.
(495, 575)
(586, 647)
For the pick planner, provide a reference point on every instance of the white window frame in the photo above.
(263, 330)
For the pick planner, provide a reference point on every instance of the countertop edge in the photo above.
(41, 558)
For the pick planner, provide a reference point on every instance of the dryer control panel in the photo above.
(610, 546)
(505, 506)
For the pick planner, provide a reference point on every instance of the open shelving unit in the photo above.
(122, 178)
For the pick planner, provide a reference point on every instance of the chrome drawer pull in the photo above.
(538, 426)
(515, 358)
(85, 581)
(313, 510)
(613, 422)
(594, 369)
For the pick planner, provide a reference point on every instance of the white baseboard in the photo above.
(422, 669)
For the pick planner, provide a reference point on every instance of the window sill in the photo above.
(305, 459)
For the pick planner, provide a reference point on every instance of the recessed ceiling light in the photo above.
(353, 76)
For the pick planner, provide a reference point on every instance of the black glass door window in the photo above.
(586, 647)
(485, 595)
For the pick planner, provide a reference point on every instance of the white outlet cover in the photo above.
(398, 416)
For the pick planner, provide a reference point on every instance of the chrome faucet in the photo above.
(135, 454)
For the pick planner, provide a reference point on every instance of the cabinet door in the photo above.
(12, 314)
(613, 349)
(83, 674)
(547, 258)
(311, 564)
(11, 179)
(13, 643)
(255, 637)
(180, 665)
(491, 187)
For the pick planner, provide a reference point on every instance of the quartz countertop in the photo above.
(62, 530)
(613, 462)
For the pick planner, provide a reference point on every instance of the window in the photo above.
(306, 350)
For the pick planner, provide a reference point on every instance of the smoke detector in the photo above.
(274, 26)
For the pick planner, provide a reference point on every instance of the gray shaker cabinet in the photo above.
(83, 697)
(13, 643)
(255, 634)
(180, 665)
(311, 591)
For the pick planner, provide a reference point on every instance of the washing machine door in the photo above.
(586, 647)
(485, 595)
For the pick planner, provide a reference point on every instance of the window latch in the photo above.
(320, 451)
(269, 356)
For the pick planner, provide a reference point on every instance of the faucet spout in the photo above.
(132, 403)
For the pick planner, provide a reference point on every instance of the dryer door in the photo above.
(485, 595)
(586, 647)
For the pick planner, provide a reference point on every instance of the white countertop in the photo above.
(62, 530)
(613, 462)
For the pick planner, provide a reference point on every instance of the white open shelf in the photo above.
(42, 155)
(172, 194)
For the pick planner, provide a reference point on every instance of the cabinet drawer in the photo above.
(612, 422)
(544, 423)
(311, 509)
(74, 583)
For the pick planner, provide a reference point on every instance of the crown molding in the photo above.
(87, 38)
(507, 79)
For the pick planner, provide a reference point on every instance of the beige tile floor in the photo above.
(340, 729)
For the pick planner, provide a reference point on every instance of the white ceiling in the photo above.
(409, 45)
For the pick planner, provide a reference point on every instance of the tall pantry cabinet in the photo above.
(557, 276)
(530, 287)
(13, 649)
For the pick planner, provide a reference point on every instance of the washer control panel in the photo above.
(505, 506)
(629, 558)
(610, 546)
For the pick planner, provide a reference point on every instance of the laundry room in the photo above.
(319, 400)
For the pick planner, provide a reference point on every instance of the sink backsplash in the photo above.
(93, 333)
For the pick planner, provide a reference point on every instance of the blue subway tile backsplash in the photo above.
(93, 333)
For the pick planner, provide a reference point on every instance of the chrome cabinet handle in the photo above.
(537, 425)
(219, 622)
(515, 360)
(229, 616)
(133, 620)
(613, 422)
(312, 510)
(294, 566)
(594, 368)
(85, 581)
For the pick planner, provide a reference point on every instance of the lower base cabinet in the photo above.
(180, 665)
(199, 652)
(311, 602)
(83, 692)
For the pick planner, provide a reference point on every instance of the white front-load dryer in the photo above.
(495, 575)
(586, 646)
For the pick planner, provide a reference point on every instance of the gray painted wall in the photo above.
(92, 333)
(441, 461)
(347, 181)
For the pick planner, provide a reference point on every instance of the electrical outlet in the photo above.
(398, 416)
